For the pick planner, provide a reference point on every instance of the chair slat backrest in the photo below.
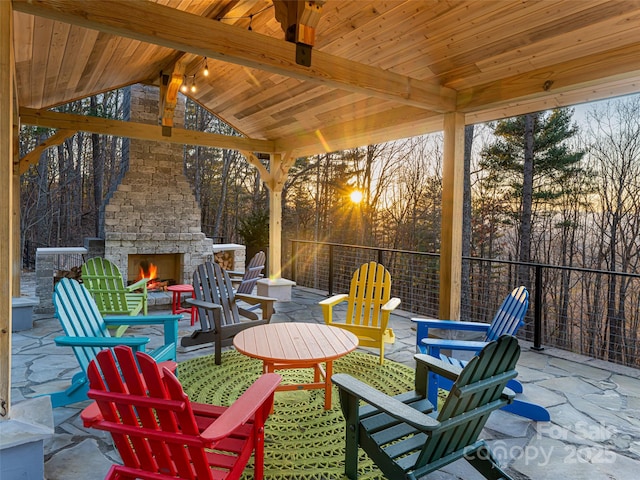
(253, 273)
(104, 280)
(212, 284)
(149, 416)
(79, 316)
(510, 316)
(475, 394)
(370, 289)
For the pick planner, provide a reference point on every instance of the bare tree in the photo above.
(615, 157)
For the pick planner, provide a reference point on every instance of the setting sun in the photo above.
(356, 196)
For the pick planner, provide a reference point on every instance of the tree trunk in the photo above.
(465, 299)
(527, 201)
(97, 153)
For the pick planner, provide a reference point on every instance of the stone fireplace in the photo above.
(153, 215)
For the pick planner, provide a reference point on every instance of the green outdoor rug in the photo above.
(303, 440)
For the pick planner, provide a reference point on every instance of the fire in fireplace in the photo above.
(163, 269)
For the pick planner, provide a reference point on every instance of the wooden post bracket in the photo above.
(170, 84)
(299, 20)
(34, 155)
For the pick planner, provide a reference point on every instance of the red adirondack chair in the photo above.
(160, 434)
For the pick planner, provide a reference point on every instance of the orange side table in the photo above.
(176, 302)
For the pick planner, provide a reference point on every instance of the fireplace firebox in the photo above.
(167, 267)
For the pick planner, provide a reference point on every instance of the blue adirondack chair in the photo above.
(508, 319)
(87, 333)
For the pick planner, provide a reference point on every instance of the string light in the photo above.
(189, 81)
(249, 16)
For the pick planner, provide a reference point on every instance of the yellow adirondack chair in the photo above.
(106, 285)
(369, 305)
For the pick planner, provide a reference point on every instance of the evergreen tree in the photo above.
(529, 163)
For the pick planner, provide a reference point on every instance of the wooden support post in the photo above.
(275, 234)
(274, 179)
(451, 230)
(17, 254)
(6, 203)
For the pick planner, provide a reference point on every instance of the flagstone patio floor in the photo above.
(594, 431)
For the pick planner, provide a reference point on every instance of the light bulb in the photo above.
(206, 67)
(184, 88)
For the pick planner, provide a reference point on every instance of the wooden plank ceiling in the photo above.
(380, 70)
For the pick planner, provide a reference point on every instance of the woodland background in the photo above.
(543, 188)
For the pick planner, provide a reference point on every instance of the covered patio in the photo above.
(302, 78)
(594, 408)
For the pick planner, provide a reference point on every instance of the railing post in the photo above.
(294, 256)
(537, 312)
(330, 270)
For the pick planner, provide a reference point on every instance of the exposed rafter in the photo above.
(105, 126)
(208, 38)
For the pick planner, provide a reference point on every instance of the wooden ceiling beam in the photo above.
(186, 32)
(142, 131)
(580, 73)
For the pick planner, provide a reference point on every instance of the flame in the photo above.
(147, 270)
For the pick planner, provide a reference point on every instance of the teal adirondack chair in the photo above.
(406, 439)
(86, 332)
(105, 283)
(508, 319)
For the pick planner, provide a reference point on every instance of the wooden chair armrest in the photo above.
(142, 283)
(437, 366)
(466, 345)
(384, 402)
(332, 301)
(253, 299)
(134, 342)
(91, 415)
(202, 304)
(452, 324)
(141, 319)
(391, 305)
(244, 408)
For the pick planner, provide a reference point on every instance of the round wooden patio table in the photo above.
(298, 345)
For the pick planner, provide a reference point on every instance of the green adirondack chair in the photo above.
(87, 334)
(403, 436)
(105, 283)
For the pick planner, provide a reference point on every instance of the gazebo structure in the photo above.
(299, 78)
